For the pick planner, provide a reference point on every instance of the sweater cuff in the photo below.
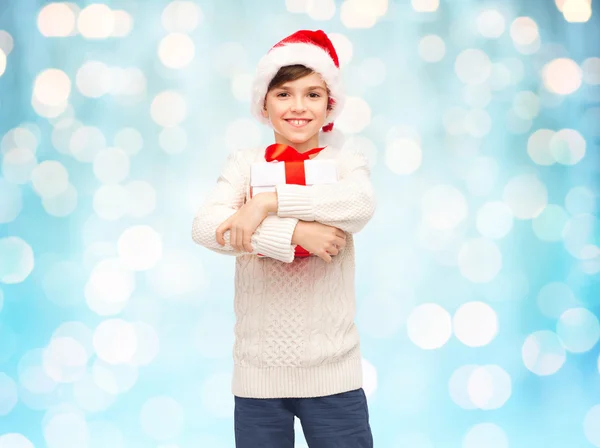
(294, 201)
(273, 238)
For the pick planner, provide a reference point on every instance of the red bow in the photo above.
(294, 170)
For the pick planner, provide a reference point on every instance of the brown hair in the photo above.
(289, 73)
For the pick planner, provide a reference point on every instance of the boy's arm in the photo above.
(348, 204)
(272, 238)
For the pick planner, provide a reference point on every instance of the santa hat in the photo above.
(312, 49)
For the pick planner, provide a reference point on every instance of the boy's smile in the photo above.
(297, 111)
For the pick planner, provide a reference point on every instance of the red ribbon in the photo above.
(294, 170)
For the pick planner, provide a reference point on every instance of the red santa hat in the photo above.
(312, 49)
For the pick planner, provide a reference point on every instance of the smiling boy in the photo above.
(297, 349)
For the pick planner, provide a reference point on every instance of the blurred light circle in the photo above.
(429, 326)
(177, 273)
(581, 236)
(111, 166)
(403, 132)
(580, 200)
(61, 135)
(500, 76)
(443, 207)
(591, 425)
(477, 96)
(538, 147)
(478, 123)
(567, 146)
(473, 66)
(491, 23)
(148, 344)
(526, 105)
(362, 145)
(49, 112)
(357, 14)
(297, 6)
(243, 133)
(65, 360)
(50, 178)
(372, 71)
(403, 156)
(181, 16)
(94, 79)
(529, 49)
(2, 62)
(11, 202)
(111, 281)
(86, 142)
(543, 353)
(454, 121)
(591, 71)
(494, 220)
(141, 199)
(52, 87)
(63, 204)
(555, 298)
(128, 82)
(322, 10)
(489, 387)
(457, 386)
(173, 140)
(216, 395)
(481, 175)
(176, 50)
(79, 332)
(425, 5)
(524, 31)
(578, 330)
(32, 376)
(15, 440)
(114, 379)
(140, 247)
(432, 48)
(213, 335)
(129, 140)
(479, 260)
(66, 430)
(19, 137)
(123, 23)
(241, 86)
(8, 392)
(577, 10)
(369, 373)
(549, 225)
(475, 324)
(486, 435)
(115, 341)
(162, 418)
(96, 21)
(56, 20)
(111, 202)
(90, 397)
(343, 46)
(562, 76)
(168, 109)
(16, 260)
(230, 59)
(97, 251)
(6, 42)
(526, 196)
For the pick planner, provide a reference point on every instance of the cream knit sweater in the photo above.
(295, 334)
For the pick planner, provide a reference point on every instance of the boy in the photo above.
(297, 350)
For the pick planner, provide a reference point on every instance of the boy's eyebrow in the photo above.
(308, 88)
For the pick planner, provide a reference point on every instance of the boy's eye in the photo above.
(314, 95)
(282, 94)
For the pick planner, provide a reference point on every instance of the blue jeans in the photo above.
(340, 420)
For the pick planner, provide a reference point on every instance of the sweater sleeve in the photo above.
(348, 204)
(273, 236)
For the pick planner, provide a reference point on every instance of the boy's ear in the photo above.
(264, 112)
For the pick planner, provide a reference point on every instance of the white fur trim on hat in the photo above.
(306, 54)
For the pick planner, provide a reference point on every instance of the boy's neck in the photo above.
(311, 143)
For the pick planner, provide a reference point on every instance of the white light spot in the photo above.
(177, 273)
(128, 82)
(243, 133)
(443, 207)
(489, 387)
(123, 23)
(129, 140)
(477, 96)
(173, 140)
(50, 178)
(555, 298)
(148, 344)
(181, 16)
(63, 204)
(2, 62)
(591, 425)
(591, 71)
(11, 202)
(357, 14)
(526, 196)
(176, 50)
(543, 353)
(578, 330)
(538, 147)
(369, 377)
(56, 20)
(64, 360)
(457, 386)
(372, 71)
(297, 6)
(526, 105)
(567, 146)
(580, 236)
(485, 435)
(475, 324)
(425, 5)
(8, 392)
(403, 156)
(429, 326)
(93, 79)
(16, 260)
(343, 46)
(478, 123)
(577, 11)
(115, 341)
(231, 59)
(162, 418)
(549, 225)
(494, 220)
(140, 247)
(114, 379)
(363, 145)
(481, 175)
(90, 397)
(580, 200)
(15, 440)
(216, 395)
(454, 121)
(111, 202)
(52, 87)
(432, 48)
(524, 31)
(562, 76)
(96, 21)
(111, 281)
(86, 142)
(241, 86)
(111, 166)
(6, 42)
(168, 109)
(473, 66)
(77, 331)
(491, 24)
(479, 260)
(141, 199)
(321, 10)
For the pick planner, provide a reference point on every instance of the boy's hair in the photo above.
(292, 73)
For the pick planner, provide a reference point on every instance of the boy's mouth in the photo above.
(298, 123)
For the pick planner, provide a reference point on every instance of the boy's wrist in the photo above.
(267, 201)
(298, 232)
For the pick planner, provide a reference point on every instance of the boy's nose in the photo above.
(298, 105)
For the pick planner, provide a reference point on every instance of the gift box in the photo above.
(264, 176)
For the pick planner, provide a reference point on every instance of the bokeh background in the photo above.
(478, 278)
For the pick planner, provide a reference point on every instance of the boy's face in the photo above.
(297, 111)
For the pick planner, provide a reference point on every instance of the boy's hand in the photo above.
(319, 239)
(243, 223)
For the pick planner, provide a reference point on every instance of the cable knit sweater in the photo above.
(295, 334)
